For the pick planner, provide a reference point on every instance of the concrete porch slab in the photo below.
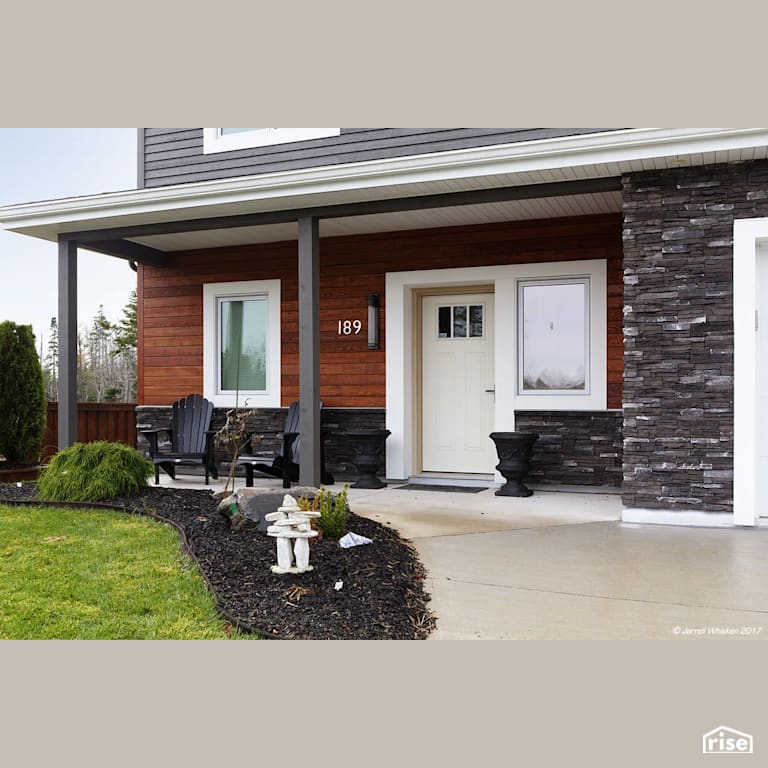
(467, 611)
(420, 514)
(602, 581)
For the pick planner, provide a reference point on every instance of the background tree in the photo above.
(97, 360)
(106, 358)
(127, 327)
(51, 362)
(126, 349)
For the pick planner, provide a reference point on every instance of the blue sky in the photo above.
(49, 163)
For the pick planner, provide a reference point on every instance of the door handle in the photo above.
(490, 390)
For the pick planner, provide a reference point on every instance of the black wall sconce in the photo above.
(373, 321)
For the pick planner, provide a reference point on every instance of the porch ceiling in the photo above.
(512, 210)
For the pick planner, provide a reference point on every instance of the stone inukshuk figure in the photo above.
(291, 523)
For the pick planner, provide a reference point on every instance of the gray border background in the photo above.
(113, 704)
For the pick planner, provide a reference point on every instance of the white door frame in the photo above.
(747, 235)
(401, 289)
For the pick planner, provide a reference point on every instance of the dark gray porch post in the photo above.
(67, 343)
(309, 351)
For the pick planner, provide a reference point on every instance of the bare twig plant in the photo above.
(233, 436)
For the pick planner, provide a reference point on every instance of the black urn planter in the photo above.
(514, 452)
(368, 456)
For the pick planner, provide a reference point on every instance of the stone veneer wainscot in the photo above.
(574, 447)
(336, 421)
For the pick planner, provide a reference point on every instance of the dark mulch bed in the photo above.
(382, 595)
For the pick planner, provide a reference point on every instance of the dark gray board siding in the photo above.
(140, 157)
(175, 155)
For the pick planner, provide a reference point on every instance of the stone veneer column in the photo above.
(678, 329)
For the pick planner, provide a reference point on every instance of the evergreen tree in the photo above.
(126, 345)
(99, 361)
(127, 329)
(51, 362)
(22, 394)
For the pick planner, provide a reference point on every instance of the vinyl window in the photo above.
(241, 343)
(553, 336)
(229, 139)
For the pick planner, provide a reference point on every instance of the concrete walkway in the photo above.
(562, 566)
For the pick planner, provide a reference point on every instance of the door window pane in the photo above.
(476, 321)
(460, 321)
(553, 333)
(243, 345)
(444, 322)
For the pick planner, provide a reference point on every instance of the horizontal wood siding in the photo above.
(115, 422)
(351, 375)
(175, 155)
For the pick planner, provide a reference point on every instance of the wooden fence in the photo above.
(115, 422)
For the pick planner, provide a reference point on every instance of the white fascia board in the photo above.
(335, 183)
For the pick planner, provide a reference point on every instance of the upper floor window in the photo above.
(227, 139)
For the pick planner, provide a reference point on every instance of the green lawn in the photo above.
(72, 574)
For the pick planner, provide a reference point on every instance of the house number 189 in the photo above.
(348, 327)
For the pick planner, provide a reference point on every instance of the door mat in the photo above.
(444, 488)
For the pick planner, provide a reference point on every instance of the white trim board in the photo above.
(691, 518)
(216, 141)
(748, 234)
(400, 397)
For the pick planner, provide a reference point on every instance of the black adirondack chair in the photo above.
(191, 438)
(285, 464)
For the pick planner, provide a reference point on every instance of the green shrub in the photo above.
(334, 514)
(94, 472)
(22, 394)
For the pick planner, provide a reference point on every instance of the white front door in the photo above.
(761, 422)
(457, 383)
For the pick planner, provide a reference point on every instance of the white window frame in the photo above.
(213, 293)
(215, 141)
(525, 283)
